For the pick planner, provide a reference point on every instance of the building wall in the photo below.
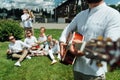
(66, 10)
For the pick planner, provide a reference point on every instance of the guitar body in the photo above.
(68, 57)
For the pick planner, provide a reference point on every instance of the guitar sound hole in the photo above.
(69, 58)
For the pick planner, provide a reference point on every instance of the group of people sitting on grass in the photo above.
(44, 45)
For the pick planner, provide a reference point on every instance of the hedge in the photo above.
(10, 27)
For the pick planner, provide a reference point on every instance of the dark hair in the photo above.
(29, 30)
(93, 1)
(43, 28)
(25, 9)
(11, 36)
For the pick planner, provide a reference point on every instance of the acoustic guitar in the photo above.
(68, 57)
(96, 49)
(86, 47)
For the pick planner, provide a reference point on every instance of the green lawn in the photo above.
(39, 68)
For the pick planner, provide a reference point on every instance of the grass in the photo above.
(39, 68)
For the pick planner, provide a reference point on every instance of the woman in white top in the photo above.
(27, 20)
(42, 37)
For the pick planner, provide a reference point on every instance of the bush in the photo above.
(10, 27)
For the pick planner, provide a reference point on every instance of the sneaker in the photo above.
(17, 63)
(59, 58)
(28, 57)
(53, 62)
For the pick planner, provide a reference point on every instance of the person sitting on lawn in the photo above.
(17, 49)
(53, 47)
(32, 41)
(42, 37)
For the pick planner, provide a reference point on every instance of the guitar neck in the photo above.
(95, 55)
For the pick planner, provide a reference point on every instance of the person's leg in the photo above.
(58, 47)
(46, 49)
(21, 57)
(14, 55)
(59, 56)
(80, 76)
(77, 75)
(50, 53)
(56, 50)
(24, 54)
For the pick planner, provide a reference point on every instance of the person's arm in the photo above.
(62, 48)
(31, 14)
(28, 17)
(35, 39)
(70, 28)
(113, 26)
(25, 45)
(25, 41)
(9, 51)
(25, 18)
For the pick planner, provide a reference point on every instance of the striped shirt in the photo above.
(99, 21)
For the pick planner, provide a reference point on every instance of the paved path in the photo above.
(50, 25)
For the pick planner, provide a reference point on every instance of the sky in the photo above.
(34, 4)
(112, 1)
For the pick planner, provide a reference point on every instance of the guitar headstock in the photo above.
(97, 45)
(113, 50)
(105, 50)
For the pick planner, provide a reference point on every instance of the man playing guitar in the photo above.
(98, 20)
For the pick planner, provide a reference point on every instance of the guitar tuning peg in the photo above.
(92, 41)
(109, 42)
(99, 64)
(100, 38)
(108, 39)
(100, 41)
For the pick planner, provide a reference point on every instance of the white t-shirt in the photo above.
(30, 40)
(17, 46)
(42, 38)
(25, 22)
